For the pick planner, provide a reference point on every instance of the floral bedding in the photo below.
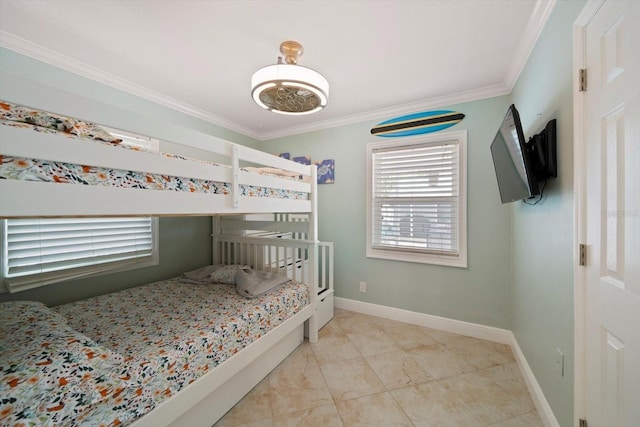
(52, 375)
(171, 333)
(24, 169)
(55, 122)
(42, 170)
(110, 359)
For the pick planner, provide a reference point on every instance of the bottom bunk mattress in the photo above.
(151, 341)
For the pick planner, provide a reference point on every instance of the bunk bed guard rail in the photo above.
(293, 258)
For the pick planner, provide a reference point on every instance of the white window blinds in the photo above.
(38, 250)
(417, 201)
(416, 198)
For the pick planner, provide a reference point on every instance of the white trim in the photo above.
(397, 110)
(459, 261)
(579, 227)
(67, 63)
(489, 333)
(544, 409)
(72, 65)
(454, 326)
(541, 12)
(580, 210)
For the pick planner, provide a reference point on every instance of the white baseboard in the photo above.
(544, 410)
(489, 333)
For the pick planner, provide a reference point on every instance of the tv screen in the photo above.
(511, 161)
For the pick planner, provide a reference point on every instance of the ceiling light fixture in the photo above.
(288, 88)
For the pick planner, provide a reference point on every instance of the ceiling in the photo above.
(382, 58)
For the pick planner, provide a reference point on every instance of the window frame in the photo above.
(417, 255)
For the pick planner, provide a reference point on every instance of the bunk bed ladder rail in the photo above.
(266, 254)
(289, 257)
(325, 267)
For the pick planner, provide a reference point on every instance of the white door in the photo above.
(612, 171)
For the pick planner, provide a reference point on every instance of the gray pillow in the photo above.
(251, 283)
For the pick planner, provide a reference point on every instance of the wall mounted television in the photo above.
(520, 164)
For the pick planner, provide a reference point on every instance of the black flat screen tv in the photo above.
(511, 160)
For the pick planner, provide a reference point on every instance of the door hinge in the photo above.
(582, 256)
(583, 422)
(583, 79)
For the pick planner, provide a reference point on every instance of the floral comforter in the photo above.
(23, 169)
(116, 356)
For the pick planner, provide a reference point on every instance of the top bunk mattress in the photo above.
(30, 169)
(263, 182)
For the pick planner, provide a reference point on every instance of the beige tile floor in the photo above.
(369, 371)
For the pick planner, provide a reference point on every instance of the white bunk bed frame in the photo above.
(48, 200)
(207, 399)
(278, 244)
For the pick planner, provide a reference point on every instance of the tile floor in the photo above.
(369, 371)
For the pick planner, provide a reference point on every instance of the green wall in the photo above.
(541, 297)
(476, 294)
(185, 243)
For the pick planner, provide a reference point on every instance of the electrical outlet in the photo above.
(363, 286)
(560, 362)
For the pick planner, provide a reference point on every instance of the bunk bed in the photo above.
(99, 170)
(75, 170)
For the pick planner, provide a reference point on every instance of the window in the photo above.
(38, 252)
(416, 199)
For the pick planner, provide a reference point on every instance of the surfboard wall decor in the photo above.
(417, 123)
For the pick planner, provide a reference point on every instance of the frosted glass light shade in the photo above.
(289, 89)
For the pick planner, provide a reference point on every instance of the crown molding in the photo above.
(541, 12)
(72, 65)
(398, 110)
(540, 15)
